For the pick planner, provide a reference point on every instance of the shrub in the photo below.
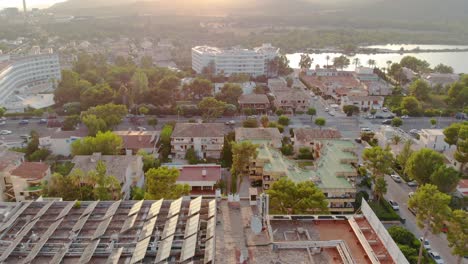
(384, 211)
(279, 112)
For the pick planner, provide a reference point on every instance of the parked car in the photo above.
(436, 257)
(2, 123)
(230, 123)
(3, 118)
(394, 205)
(24, 122)
(385, 109)
(358, 140)
(332, 113)
(387, 122)
(396, 178)
(366, 129)
(327, 109)
(412, 184)
(43, 121)
(426, 244)
(410, 194)
(5, 132)
(404, 117)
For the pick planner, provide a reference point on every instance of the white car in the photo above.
(2, 123)
(332, 113)
(5, 132)
(404, 117)
(327, 109)
(426, 244)
(410, 194)
(394, 205)
(436, 257)
(396, 178)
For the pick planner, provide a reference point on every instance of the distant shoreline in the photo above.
(380, 51)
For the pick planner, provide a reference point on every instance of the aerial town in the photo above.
(140, 150)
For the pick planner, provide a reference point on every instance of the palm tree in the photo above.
(305, 62)
(389, 63)
(356, 62)
(327, 58)
(396, 139)
(371, 62)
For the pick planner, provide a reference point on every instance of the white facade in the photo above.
(364, 103)
(433, 139)
(28, 71)
(205, 147)
(234, 61)
(58, 146)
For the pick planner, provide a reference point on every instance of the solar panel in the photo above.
(135, 208)
(140, 250)
(195, 205)
(80, 223)
(211, 208)
(112, 209)
(59, 255)
(44, 237)
(164, 249)
(114, 257)
(154, 210)
(102, 227)
(210, 228)
(175, 207)
(89, 251)
(66, 210)
(43, 210)
(192, 225)
(188, 248)
(170, 227)
(148, 228)
(90, 208)
(17, 240)
(129, 222)
(15, 216)
(209, 251)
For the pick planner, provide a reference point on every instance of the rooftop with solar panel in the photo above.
(163, 231)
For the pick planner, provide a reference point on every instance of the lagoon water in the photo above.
(458, 60)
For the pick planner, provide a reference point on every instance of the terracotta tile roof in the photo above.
(198, 130)
(31, 170)
(309, 134)
(195, 173)
(59, 133)
(268, 133)
(137, 139)
(253, 99)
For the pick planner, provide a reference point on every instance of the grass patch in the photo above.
(305, 163)
(384, 211)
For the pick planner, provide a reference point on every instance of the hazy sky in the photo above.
(29, 3)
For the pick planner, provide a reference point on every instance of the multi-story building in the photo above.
(332, 171)
(308, 137)
(202, 178)
(206, 139)
(26, 72)
(134, 141)
(365, 103)
(24, 182)
(271, 134)
(59, 142)
(234, 61)
(433, 139)
(126, 168)
(256, 102)
(292, 100)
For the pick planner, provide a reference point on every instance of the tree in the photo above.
(305, 153)
(226, 152)
(283, 65)
(432, 209)
(350, 109)
(94, 124)
(250, 123)
(287, 197)
(420, 89)
(2, 111)
(242, 153)
(402, 235)
(311, 111)
(320, 121)
(433, 122)
(68, 89)
(191, 156)
(70, 122)
(199, 88)
(111, 114)
(451, 133)
(457, 234)
(165, 141)
(441, 68)
(283, 120)
(146, 62)
(149, 161)
(153, 122)
(98, 94)
(422, 164)
(396, 139)
(211, 108)
(412, 105)
(264, 120)
(356, 62)
(404, 154)
(139, 86)
(327, 58)
(289, 81)
(305, 62)
(415, 64)
(380, 188)
(458, 93)
(341, 62)
(371, 62)
(445, 178)
(143, 110)
(378, 161)
(230, 93)
(397, 122)
(106, 143)
(161, 184)
(457, 134)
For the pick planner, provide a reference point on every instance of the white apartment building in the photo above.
(206, 139)
(235, 60)
(433, 139)
(26, 72)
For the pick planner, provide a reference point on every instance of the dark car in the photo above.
(43, 121)
(24, 122)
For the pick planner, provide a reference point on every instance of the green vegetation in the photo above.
(242, 153)
(287, 197)
(226, 153)
(384, 210)
(161, 183)
(106, 143)
(230, 93)
(457, 134)
(165, 141)
(211, 108)
(250, 123)
(422, 164)
(149, 161)
(320, 121)
(283, 120)
(408, 244)
(457, 234)
(350, 109)
(103, 117)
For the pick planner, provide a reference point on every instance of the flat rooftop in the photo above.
(108, 231)
(329, 168)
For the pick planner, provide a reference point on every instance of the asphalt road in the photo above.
(399, 193)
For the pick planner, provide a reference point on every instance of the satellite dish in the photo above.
(256, 224)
